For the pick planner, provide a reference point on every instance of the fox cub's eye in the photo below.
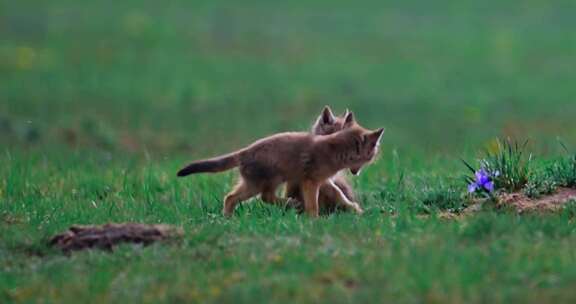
(358, 146)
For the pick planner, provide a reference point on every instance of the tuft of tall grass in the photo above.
(509, 165)
(563, 171)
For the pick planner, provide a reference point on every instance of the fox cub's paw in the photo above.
(356, 207)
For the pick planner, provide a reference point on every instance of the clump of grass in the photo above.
(538, 186)
(441, 197)
(513, 164)
(390, 192)
(508, 168)
(563, 171)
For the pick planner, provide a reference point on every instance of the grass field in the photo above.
(101, 102)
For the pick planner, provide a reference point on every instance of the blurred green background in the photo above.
(200, 77)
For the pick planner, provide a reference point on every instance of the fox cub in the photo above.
(298, 158)
(327, 123)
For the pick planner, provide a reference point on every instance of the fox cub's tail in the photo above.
(216, 164)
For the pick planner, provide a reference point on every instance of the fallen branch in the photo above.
(107, 236)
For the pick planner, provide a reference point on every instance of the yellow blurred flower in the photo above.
(25, 57)
(277, 258)
(215, 291)
(493, 146)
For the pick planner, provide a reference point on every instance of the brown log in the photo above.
(79, 237)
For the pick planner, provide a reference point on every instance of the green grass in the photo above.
(102, 101)
(264, 253)
(563, 170)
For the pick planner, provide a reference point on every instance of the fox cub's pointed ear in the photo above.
(375, 136)
(378, 133)
(327, 117)
(349, 119)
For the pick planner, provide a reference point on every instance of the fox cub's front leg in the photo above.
(310, 191)
(343, 199)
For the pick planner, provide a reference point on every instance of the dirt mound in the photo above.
(520, 202)
(552, 202)
(107, 236)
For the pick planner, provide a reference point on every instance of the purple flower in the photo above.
(483, 181)
(489, 186)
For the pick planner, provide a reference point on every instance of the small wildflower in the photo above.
(482, 181)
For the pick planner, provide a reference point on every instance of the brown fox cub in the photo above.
(299, 158)
(327, 123)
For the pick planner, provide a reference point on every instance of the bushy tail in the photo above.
(216, 164)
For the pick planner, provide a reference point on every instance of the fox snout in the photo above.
(355, 171)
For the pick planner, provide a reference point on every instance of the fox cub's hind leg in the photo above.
(294, 198)
(293, 191)
(269, 196)
(242, 191)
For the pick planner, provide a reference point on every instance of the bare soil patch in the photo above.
(552, 202)
(107, 236)
(521, 203)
